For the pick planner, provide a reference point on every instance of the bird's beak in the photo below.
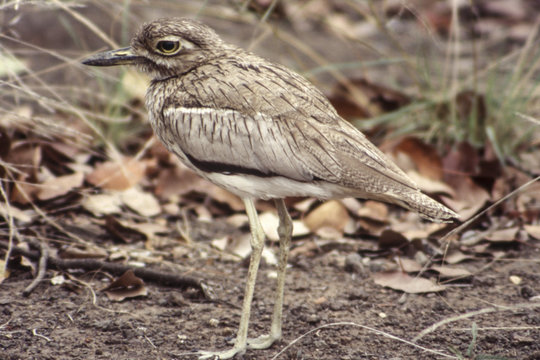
(123, 56)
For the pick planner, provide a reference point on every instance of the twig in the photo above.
(378, 332)
(488, 310)
(34, 332)
(42, 268)
(148, 275)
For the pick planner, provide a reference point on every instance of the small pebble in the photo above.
(353, 264)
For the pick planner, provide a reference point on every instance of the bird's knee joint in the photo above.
(285, 230)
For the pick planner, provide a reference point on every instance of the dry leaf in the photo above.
(23, 192)
(451, 272)
(300, 229)
(424, 157)
(237, 220)
(503, 235)
(150, 229)
(219, 194)
(374, 210)
(429, 185)
(304, 205)
(103, 204)
(178, 180)
(409, 265)
(73, 252)
(399, 280)
(240, 245)
(221, 243)
(456, 256)
(329, 233)
(122, 232)
(269, 256)
(390, 238)
(23, 216)
(469, 198)
(270, 223)
(117, 175)
(58, 186)
(378, 99)
(141, 202)
(330, 214)
(533, 230)
(126, 286)
(26, 157)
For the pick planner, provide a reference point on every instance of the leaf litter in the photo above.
(77, 183)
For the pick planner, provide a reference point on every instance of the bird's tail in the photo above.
(425, 206)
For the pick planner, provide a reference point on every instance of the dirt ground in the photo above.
(333, 307)
(331, 290)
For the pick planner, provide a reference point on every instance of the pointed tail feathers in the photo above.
(425, 206)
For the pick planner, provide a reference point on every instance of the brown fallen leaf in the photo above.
(219, 194)
(378, 99)
(469, 199)
(126, 286)
(409, 265)
(23, 216)
(451, 272)
(117, 175)
(26, 157)
(503, 235)
(58, 186)
(122, 232)
(424, 157)
(430, 186)
(178, 180)
(456, 256)
(23, 192)
(270, 222)
(374, 210)
(533, 230)
(392, 239)
(141, 202)
(398, 280)
(74, 252)
(103, 204)
(330, 214)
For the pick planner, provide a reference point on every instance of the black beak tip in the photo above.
(122, 56)
(87, 61)
(93, 60)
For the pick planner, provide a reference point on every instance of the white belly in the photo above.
(276, 187)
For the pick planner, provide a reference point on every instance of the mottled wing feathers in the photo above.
(230, 120)
(228, 141)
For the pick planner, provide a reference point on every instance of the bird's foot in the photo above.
(263, 341)
(221, 355)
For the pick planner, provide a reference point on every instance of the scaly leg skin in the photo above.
(285, 233)
(257, 243)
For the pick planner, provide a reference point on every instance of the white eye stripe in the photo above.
(187, 44)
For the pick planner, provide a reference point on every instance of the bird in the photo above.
(261, 131)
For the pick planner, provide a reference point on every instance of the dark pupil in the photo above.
(168, 45)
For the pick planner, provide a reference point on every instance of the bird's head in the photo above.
(164, 48)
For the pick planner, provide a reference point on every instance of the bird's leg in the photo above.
(257, 243)
(285, 233)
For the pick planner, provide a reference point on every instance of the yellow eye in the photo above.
(168, 47)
